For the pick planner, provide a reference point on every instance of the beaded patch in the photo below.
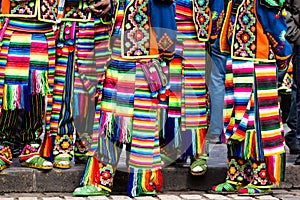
(201, 16)
(136, 30)
(47, 10)
(15, 8)
(51, 11)
(244, 41)
(63, 144)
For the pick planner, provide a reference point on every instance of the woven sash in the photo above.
(255, 120)
(144, 144)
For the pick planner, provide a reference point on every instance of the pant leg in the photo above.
(296, 60)
(291, 137)
(216, 87)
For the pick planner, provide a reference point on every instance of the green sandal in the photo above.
(62, 161)
(90, 190)
(199, 166)
(37, 162)
(3, 165)
(253, 190)
(227, 187)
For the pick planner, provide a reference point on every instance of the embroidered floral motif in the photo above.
(136, 30)
(63, 144)
(106, 175)
(202, 19)
(24, 8)
(244, 41)
(5, 153)
(28, 149)
(83, 143)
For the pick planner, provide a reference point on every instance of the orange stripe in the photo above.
(5, 6)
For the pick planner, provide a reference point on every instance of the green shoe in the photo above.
(37, 162)
(3, 165)
(253, 190)
(90, 190)
(62, 161)
(199, 167)
(227, 187)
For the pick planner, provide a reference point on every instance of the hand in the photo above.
(101, 8)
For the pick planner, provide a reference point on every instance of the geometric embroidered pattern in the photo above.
(201, 13)
(47, 10)
(245, 28)
(19, 8)
(136, 30)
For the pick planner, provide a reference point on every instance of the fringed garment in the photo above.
(254, 116)
(91, 56)
(187, 109)
(255, 39)
(127, 111)
(25, 57)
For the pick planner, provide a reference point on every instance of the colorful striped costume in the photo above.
(197, 22)
(66, 31)
(255, 38)
(80, 37)
(129, 107)
(27, 53)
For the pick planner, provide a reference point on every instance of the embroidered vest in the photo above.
(202, 19)
(48, 10)
(144, 31)
(243, 35)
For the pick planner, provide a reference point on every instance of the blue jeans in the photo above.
(292, 138)
(294, 115)
(216, 71)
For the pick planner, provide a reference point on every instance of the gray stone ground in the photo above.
(278, 194)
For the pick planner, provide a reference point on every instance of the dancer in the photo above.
(185, 129)
(27, 52)
(254, 34)
(141, 41)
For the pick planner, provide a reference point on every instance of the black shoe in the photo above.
(292, 142)
(297, 161)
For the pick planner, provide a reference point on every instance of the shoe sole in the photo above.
(256, 194)
(215, 192)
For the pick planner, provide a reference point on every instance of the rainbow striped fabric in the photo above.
(254, 118)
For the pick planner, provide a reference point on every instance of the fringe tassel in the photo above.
(276, 167)
(91, 172)
(133, 182)
(143, 181)
(249, 144)
(107, 124)
(12, 98)
(46, 149)
(125, 129)
(200, 142)
(39, 83)
(157, 179)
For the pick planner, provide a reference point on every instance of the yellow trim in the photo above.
(282, 58)
(223, 25)
(234, 182)
(113, 20)
(232, 42)
(197, 28)
(105, 188)
(253, 59)
(24, 16)
(62, 19)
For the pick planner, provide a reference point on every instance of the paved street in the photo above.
(278, 194)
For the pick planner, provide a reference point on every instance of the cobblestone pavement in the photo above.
(278, 194)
